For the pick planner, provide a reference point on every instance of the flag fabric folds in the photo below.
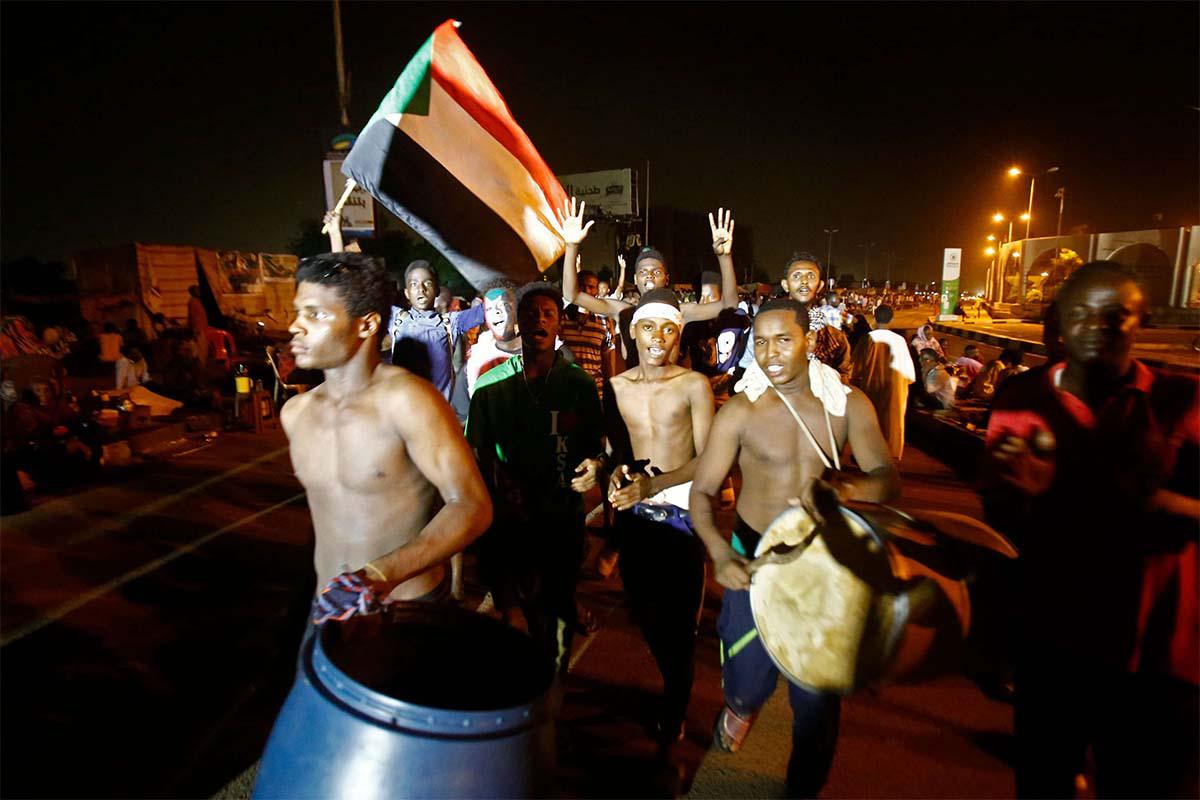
(444, 154)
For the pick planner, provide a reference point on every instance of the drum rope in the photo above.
(837, 464)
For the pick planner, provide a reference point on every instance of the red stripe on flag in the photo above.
(456, 70)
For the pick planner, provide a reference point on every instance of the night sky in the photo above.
(206, 124)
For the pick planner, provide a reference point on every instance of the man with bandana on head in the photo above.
(657, 417)
(649, 273)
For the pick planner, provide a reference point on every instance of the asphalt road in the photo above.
(148, 632)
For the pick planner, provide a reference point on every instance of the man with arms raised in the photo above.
(649, 273)
(779, 463)
(392, 486)
(661, 416)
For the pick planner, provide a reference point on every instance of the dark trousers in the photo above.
(748, 677)
(662, 568)
(1144, 730)
(534, 564)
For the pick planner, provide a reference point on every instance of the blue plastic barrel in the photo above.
(424, 701)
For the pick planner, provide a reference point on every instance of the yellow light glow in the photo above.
(1045, 274)
(1024, 218)
(991, 251)
(1014, 172)
(997, 217)
(991, 238)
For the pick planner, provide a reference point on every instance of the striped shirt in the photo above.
(589, 339)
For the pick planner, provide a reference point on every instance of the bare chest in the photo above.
(350, 448)
(775, 440)
(654, 411)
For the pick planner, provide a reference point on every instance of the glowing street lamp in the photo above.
(991, 237)
(997, 217)
(1014, 172)
(991, 251)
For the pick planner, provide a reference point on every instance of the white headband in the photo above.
(658, 311)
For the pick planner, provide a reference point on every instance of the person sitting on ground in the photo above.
(998, 370)
(940, 385)
(968, 365)
(185, 379)
(649, 273)
(924, 340)
(132, 369)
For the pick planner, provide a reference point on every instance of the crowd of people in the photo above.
(579, 391)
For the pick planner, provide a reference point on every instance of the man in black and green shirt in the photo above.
(535, 425)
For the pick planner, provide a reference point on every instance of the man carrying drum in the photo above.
(771, 430)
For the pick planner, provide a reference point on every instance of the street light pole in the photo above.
(1061, 194)
(829, 250)
(340, 60)
(1029, 211)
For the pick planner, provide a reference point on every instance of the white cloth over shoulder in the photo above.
(823, 380)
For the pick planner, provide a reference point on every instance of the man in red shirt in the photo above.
(1094, 471)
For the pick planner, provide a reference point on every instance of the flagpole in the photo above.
(341, 62)
(350, 186)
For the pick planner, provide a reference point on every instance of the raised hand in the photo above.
(722, 231)
(573, 229)
(621, 262)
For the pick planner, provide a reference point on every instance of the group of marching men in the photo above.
(396, 489)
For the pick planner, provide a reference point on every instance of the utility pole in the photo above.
(1061, 194)
(867, 260)
(829, 250)
(339, 53)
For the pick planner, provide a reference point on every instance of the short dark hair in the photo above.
(807, 258)
(362, 283)
(1012, 356)
(648, 252)
(883, 314)
(505, 284)
(663, 295)
(800, 310)
(587, 273)
(421, 263)
(970, 349)
(831, 296)
(529, 291)
(1093, 271)
(708, 278)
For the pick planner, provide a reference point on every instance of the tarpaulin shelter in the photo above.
(134, 281)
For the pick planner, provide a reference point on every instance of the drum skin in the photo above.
(829, 629)
(366, 717)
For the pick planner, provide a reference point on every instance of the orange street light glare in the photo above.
(1014, 172)
(997, 217)
(991, 238)
(1025, 217)
(991, 251)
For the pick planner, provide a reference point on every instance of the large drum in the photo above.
(423, 700)
(873, 596)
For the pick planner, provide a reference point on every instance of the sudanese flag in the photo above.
(445, 155)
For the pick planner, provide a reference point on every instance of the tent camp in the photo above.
(134, 281)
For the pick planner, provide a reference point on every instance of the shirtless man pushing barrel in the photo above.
(779, 465)
(393, 487)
